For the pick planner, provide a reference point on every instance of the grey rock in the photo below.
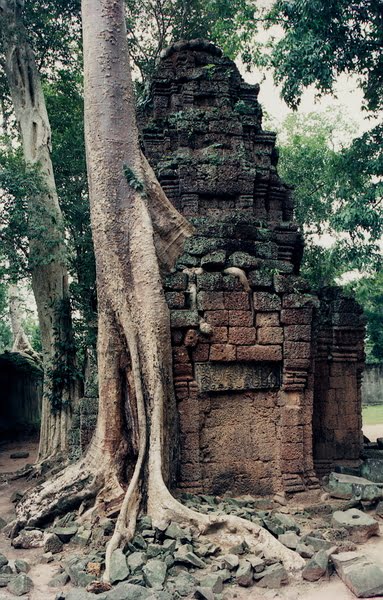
(82, 538)
(3, 560)
(33, 538)
(20, 585)
(155, 573)
(305, 550)
(256, 562)
(75, 567)
(53, 544)
(240, 548)
(187, 557)
(316, 543)
(59, 580)
(5, 578)
(347, 487)
(22, 566)
(244, 575)
(289, 539)
(175, 532)
(169, 545)
(136, 561)
(46, 558)
(316, 567)
(363, 577)
(182, 584)
(379, 509)
(203, 594)
(274, 576)
(126, 591)
(119, 570)
(82, 595)
(359, 525)
(6, 570)
(230, 561)
(65, 533)
(213, 581)
(205, 550)
(154, 550)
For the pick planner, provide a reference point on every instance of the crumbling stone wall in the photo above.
(339, 362)
(241, 315)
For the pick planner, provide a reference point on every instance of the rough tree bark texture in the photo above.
(135, 231)
(47, 248)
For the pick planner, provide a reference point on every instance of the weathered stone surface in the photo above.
(289, 539)
(202, 593)
(136, 561)
(65, 533)
(59, 580)
(53, 544)
(363, 577)
(316, 567)
(75, 567)
(215, 377)
(127, 591)
(359, 525)
(20, 585)
(3, 560)
(213, 581)
(119, 570)
(22, 566)
(155, 573)
(33, 538)
(183, 584)
(348, 486)
(230, 561)
(244, 574)
(274, 576)
(175, 532)
(187, 557)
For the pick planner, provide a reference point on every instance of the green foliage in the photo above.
(65, 106)
(132, 179)
(369, 292)
(337, 192)
(324, 39)
(155, 24)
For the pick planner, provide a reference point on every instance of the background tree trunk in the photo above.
(46, 235)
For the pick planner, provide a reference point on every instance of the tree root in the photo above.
(78, 483)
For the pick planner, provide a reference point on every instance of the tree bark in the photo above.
(46, 235)
(21, 342)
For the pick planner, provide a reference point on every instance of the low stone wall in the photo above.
(372, 386)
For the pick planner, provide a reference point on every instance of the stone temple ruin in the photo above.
(267, 373)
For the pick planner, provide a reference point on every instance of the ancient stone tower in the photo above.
(267, 375)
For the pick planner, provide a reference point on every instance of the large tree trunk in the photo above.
(46, 235)
(135, 230)
(20, 342)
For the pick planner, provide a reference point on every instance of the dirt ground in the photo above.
(332, 589)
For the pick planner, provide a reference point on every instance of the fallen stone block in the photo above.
(316, 567)
(348, 486)
(274, 576)
(20, 585)
(363, 577)
(359, 525)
